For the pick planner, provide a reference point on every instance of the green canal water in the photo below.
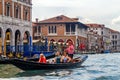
(8, 70)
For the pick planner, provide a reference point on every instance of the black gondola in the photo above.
(5, 60)
(32, 65)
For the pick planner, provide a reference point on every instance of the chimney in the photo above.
(36, 20)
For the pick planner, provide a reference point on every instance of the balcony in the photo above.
(70, 33)
(26, 1)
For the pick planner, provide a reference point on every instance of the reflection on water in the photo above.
(59, 72)
(96, 67)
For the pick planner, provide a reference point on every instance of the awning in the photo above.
(8, 41)
(35, 41)
(52, 40)
(25, 41)
(82, 46)
(60, 40)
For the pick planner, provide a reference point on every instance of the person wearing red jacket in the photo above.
(42, 58)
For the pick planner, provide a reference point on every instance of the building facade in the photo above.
(115, 41)
(101, 34)
(15, 23)
(60, 30)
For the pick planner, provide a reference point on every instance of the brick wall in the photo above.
(60, 32)
(11, 9)
(0, 7)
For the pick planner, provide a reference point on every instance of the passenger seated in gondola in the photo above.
(42, 58)
(57, 58)
(53, 61)
(65, 58)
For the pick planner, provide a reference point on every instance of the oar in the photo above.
(82, 58)
(77, 58)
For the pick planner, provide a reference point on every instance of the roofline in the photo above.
(82, 25)
(55, 22)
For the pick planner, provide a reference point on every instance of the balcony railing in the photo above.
(14, 21)
(26, 1)
(70, 33)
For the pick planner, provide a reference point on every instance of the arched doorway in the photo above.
(7, 42)
(60, 40)
(17, 41)
(52, 40)
(26, 42)
(26, 37)
(70, 40)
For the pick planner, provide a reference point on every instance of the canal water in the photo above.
(96, 67)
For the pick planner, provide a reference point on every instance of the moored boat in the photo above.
(4, 60)
(32, 65)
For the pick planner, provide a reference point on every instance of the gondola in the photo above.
(32, 65)
(5, 60)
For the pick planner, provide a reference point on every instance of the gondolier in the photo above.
(70, 49)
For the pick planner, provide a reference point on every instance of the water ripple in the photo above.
(96, 67)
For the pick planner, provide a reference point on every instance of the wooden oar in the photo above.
(77, 58)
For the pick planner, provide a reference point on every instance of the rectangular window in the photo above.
(26, 15)
(35, 29)
(52, 29)
(113, 42)
(67, 27)
(116, 42)
(113, 36)
(8, 10)
(70, 29)
(49, 29)
(39, 29)
(102, 33)
(17, 12)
